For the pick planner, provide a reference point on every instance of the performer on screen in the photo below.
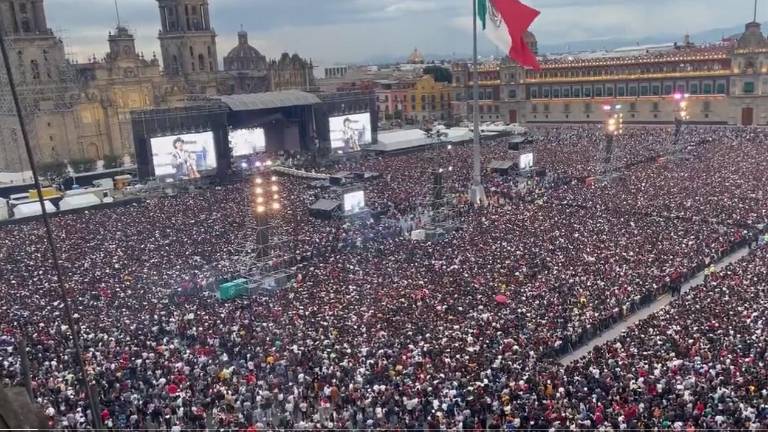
(351, 135)
(183, 161)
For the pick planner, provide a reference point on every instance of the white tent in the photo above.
(79, 201)
(31, 209)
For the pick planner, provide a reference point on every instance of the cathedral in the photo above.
(81, 112)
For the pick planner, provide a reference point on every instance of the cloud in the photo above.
(354, 30)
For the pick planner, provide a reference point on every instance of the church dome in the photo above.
(530, 39)
(416, 57)
(244, 56)
(752, 38)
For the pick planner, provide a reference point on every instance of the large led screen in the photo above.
(526, 161)
(350, 132)
(183, 156)
(246, 142)
(354, 202)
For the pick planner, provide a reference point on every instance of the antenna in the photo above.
(117, 13)
(755, 18)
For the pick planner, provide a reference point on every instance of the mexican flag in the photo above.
(505, 23)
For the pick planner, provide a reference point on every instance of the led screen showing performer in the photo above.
(354, 202)
(182, 157)
(350, 132)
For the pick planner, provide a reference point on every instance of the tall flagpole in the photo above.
(476, 190)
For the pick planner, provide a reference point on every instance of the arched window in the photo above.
(175, 65)
(201, 62)
(35, 68)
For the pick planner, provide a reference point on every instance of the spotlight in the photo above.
(258, 180)
(450, 146)
(606, 107)
(260, 200)
(259, 190)
(450, 168)
(274, 179)
(268, 163)
(275, 188)
(275, 206)
(244, 165)
(260, 209)
(258, 164)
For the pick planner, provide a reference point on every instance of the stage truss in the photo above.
(264, 257)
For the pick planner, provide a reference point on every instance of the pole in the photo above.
(476, 191)
(117, 13)
(25, 373)
(49, 236)
(755, 16)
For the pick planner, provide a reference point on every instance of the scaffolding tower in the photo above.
(265, 258)
(48, 94)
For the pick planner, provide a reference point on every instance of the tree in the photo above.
(439, 73)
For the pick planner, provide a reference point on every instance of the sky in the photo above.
(354, 31)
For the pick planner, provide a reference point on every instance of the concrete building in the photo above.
(392, 98)
(428, 101)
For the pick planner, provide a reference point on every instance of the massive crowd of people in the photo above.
(380, 331)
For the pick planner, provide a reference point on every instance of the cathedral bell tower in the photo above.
(23, 18)
(187, 40)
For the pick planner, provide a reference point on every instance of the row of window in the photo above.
(628, 70)
(706, 106)
(627, 89)
(484, 109)
(484, 94)
(432, 98)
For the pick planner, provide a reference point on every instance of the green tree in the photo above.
(439, 73)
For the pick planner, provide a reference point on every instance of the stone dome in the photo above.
(416, 57)
(530, 39)
(752, 38)
(244, 56)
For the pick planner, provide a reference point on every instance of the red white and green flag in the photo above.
(505, 23)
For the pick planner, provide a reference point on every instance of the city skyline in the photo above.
(353, 31)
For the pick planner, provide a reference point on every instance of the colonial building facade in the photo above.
(724, 83)
(82, 110)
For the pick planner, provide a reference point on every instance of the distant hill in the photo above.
(713, 35)
(487, 50)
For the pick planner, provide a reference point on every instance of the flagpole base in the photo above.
(477, 195)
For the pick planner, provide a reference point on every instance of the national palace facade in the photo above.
(724, 83)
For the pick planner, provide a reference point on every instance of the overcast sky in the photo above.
(333, 31)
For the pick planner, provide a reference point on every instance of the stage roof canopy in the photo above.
(260, 101)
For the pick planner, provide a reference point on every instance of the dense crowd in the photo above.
(394, 333)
